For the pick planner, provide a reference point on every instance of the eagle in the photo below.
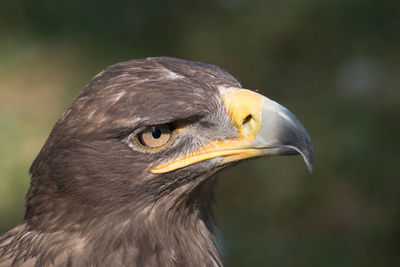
(127, 174)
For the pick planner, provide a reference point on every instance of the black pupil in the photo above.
(155, 132)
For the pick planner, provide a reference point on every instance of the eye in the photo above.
(154, 137)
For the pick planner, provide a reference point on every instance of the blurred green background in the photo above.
(335, 64)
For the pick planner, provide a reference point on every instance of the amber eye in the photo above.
(154, 136)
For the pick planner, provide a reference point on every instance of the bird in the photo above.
(127, 174)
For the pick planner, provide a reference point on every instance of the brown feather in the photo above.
(92, 200)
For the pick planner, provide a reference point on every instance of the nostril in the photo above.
(247, 119)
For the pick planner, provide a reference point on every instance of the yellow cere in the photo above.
(244, 107)
(241, 103)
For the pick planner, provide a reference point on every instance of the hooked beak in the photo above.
(265, 128)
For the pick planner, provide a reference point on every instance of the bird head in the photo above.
(153, 130)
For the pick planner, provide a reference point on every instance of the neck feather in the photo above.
(174, 231)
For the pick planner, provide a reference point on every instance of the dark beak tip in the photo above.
(310, 167)
(308, 157)
(307, 153)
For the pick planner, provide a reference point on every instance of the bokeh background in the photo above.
(335, 64)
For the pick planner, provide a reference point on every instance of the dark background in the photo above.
(335, 64)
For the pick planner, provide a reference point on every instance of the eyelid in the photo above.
(178, 123)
